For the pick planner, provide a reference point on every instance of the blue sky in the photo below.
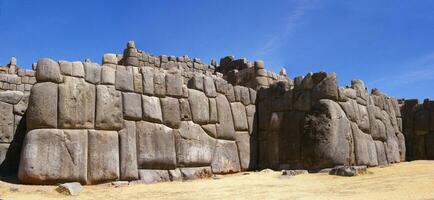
(388, 44)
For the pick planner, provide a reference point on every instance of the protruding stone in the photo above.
(109, 58)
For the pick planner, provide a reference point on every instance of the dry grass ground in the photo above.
(409, 180)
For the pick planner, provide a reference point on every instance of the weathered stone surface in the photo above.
(243, 144)
(108, 75)
(132, 106)
(185, 110)
(50, 156)
(225, 129)
(302, 100)
(381, 154)
(209, 87)
(213, 113)
(348, 170)
(196, 82)
(42, 111)
(76, 104)
(72, 189)
(294, 172)
(175, 175)
(327, 140)
(159, 84)
(128, 152)
(364, 148)
(153, 176)
(152, 109)
(225, 159)
(171, 112)
(92, 72)
(108, 108)
(191, 173)
(48, 70)
(239, 116)
(326, 89)
(11, 97)
(109, 58)
(251, 119)
(103, 162)
(193, 146)
(65, 67)
(77, 69)
(210, 129)
(137, 80)
(199, 106)
(148, 80)
(6, 122)
(174, 83)
(156, 146)
(21, 107)
(3, 151)
(124, 81)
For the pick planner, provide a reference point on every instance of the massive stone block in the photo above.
(76, 104)
(42, 111)
(124, 81)
(50, 156)
(48, 70)
(171, 112)
(128, 152)
(11, 97)
(174, 83)
(239, 116)
(103, 161)
(364, 148)
(225, 128)
(92, 72)
(209, 87)
(152, 109)
(148, 80)
(6, 122)
(108, 108)
(199, 106)
(155, 146)
(132, 106)
(193, 146)
(213, 113)
(159, 84)
(153, 176)
(327, 140)
(244, 149)
(185, 110)
(225, 159)
(21, 107)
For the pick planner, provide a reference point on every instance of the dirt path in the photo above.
(410, 180)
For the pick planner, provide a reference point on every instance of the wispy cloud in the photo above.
(292, 20)
(418, 70)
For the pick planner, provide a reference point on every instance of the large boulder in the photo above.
(171, 112)
(6, 122)
(103, 162)
(42, 110)
(225, 159)
(108, 108)
(151, 109)
(11, 97)
(199, 106)
(50, 156)
(48, 70)
(239, 116)
(225, 128)
(128, 152)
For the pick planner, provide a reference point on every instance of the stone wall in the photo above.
(97, 123)
(418, 120)
(315, 124)
(15, 85)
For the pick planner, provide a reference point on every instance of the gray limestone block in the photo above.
(392, 146)
(245, 96)
(238, 93)
(171, 112)
(132, 61)
(156, 146)
(252, 94)
(11, 97)
(132, 106)
(230, 93)
(381, 153)
(221, 85)
(401, 145)
(124, 81)
(21, 107)
(175, 175)
(364, 148)
(210, 129)
(243, 145)
(108, 108)
(159, 84)
(138, 85)
(109, 58)
(191, 173)
(239, 116)
(48, 71)
(108, 75)
(103, 157)
(76, 104)
(213, 113)
(225, 128)
(152, 109)
(302, 100)
(92, 72)
(225, 159)
(4, 147)
(196, 82)
(50, 156)
(6, 122)
(327, 88)
(42, 110)
(327, 140)
(193, 146)
(153, 176)
(199, 106)
(148, 80)
(77, 69)
(128, 152)
(250, 113)
(174, 83)
(65, 67)
(184, 106)
(209, 87)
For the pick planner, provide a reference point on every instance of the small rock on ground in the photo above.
(293, 172)
(348, 170)
(73, 188)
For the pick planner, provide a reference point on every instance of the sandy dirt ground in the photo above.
(409, 180)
